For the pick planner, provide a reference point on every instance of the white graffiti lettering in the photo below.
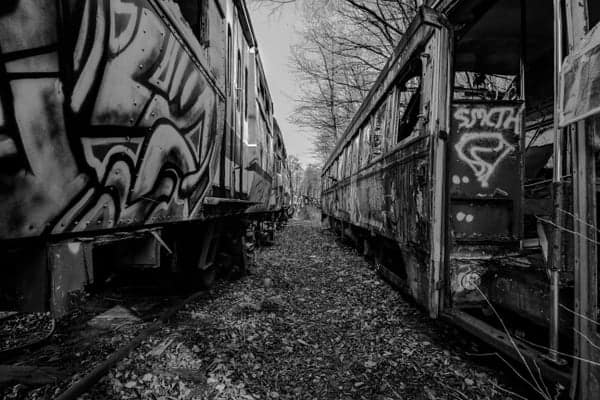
(497, 117)
(483, 152)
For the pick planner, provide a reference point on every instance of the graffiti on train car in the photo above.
(483, 152)
(143, 131)
(485, 136)
(484, 170)
(495, 117)
(260, 187)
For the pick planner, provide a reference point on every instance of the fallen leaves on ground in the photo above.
(311, 321)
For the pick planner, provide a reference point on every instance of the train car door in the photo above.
(484, 180)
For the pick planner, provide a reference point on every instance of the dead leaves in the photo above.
(311, 321)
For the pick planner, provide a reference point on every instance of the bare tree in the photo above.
(345, 44)
(296, 175)
(311, 183)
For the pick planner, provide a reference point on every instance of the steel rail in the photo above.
(85, 383)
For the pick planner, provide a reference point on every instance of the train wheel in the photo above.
(193, 261)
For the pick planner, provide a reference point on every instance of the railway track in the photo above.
(63, 359)
(86, 382)
(269, 333)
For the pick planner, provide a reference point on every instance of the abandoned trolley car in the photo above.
(469, 173)
(133, 132)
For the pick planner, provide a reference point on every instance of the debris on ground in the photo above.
(19, 330)
(311, 321)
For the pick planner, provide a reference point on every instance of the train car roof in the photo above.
(424, 15)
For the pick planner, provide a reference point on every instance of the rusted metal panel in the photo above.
(406, 181)
(484, 220)
(526, 293)
(498, 339)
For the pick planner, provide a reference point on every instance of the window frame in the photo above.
(592, 10)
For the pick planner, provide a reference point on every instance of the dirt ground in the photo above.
(311, 321)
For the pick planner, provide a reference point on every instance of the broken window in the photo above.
(229, 63)
(408, 102)
(342, 159)
(365, 147)
(470, 85)
(378, 129)
(355, 149)
(238, 83)
(246, 93)
(195, 13)
(390, 133)
(593, 12)
(348, 161)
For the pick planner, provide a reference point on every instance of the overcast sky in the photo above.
(276, 32)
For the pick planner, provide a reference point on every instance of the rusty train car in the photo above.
(133, 132)
(469, 174)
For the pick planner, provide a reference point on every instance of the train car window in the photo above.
(481, 86)
(379, 129)
(203, 28)
(362, 146)
(355, 155)
(190, 11)
(347, 163)
(195, 13)
(389, 132)
(268, 152)
(246, 93)
(593, 12)
(229, 73)
(334, 169)
(331, 176)
(238, 83)
(408, 107)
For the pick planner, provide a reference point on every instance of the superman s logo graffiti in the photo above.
(483, 152)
